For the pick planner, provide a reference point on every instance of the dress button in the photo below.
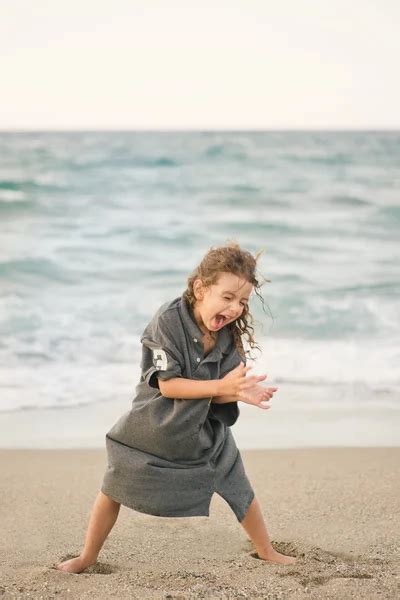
(198, 360)
(195, 339)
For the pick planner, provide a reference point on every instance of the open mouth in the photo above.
(219, 320)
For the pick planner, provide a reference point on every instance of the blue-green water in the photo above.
(98, 229)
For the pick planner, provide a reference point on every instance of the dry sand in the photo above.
(337, 510)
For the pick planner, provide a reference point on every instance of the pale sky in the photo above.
(199, 64)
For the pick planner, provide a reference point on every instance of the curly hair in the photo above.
(230, 258)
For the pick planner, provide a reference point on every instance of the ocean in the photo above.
(98, 229)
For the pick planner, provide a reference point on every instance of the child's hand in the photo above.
(258, 395)
(231, 384)
(246, 389)
(235, 382)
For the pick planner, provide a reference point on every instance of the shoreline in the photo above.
(289, 424)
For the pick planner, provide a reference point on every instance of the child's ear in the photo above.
(198, 289)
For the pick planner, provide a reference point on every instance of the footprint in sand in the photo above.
(319, 566)
(98, 568)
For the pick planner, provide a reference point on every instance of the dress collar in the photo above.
(224, 337)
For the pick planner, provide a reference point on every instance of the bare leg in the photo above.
(254, 525)
(102, 519)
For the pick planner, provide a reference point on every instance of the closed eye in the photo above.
(242, 303)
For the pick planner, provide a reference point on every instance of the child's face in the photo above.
(226, 299)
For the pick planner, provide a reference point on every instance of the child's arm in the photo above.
(230, 385)
(190, 389)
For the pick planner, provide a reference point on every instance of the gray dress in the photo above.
(167, 456)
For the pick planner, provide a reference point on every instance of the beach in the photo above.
(100, 229)
(336, 509)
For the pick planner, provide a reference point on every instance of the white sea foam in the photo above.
(11, 195)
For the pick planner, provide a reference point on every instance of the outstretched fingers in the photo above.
(250, 381)
(260, 402)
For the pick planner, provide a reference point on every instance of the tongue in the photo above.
(219, 320)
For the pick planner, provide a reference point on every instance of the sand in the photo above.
(336, 509)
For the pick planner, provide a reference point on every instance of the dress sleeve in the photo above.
(161, 355)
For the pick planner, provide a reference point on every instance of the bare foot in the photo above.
(277, 557)
(74, 565)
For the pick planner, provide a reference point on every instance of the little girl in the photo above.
(174, 448)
